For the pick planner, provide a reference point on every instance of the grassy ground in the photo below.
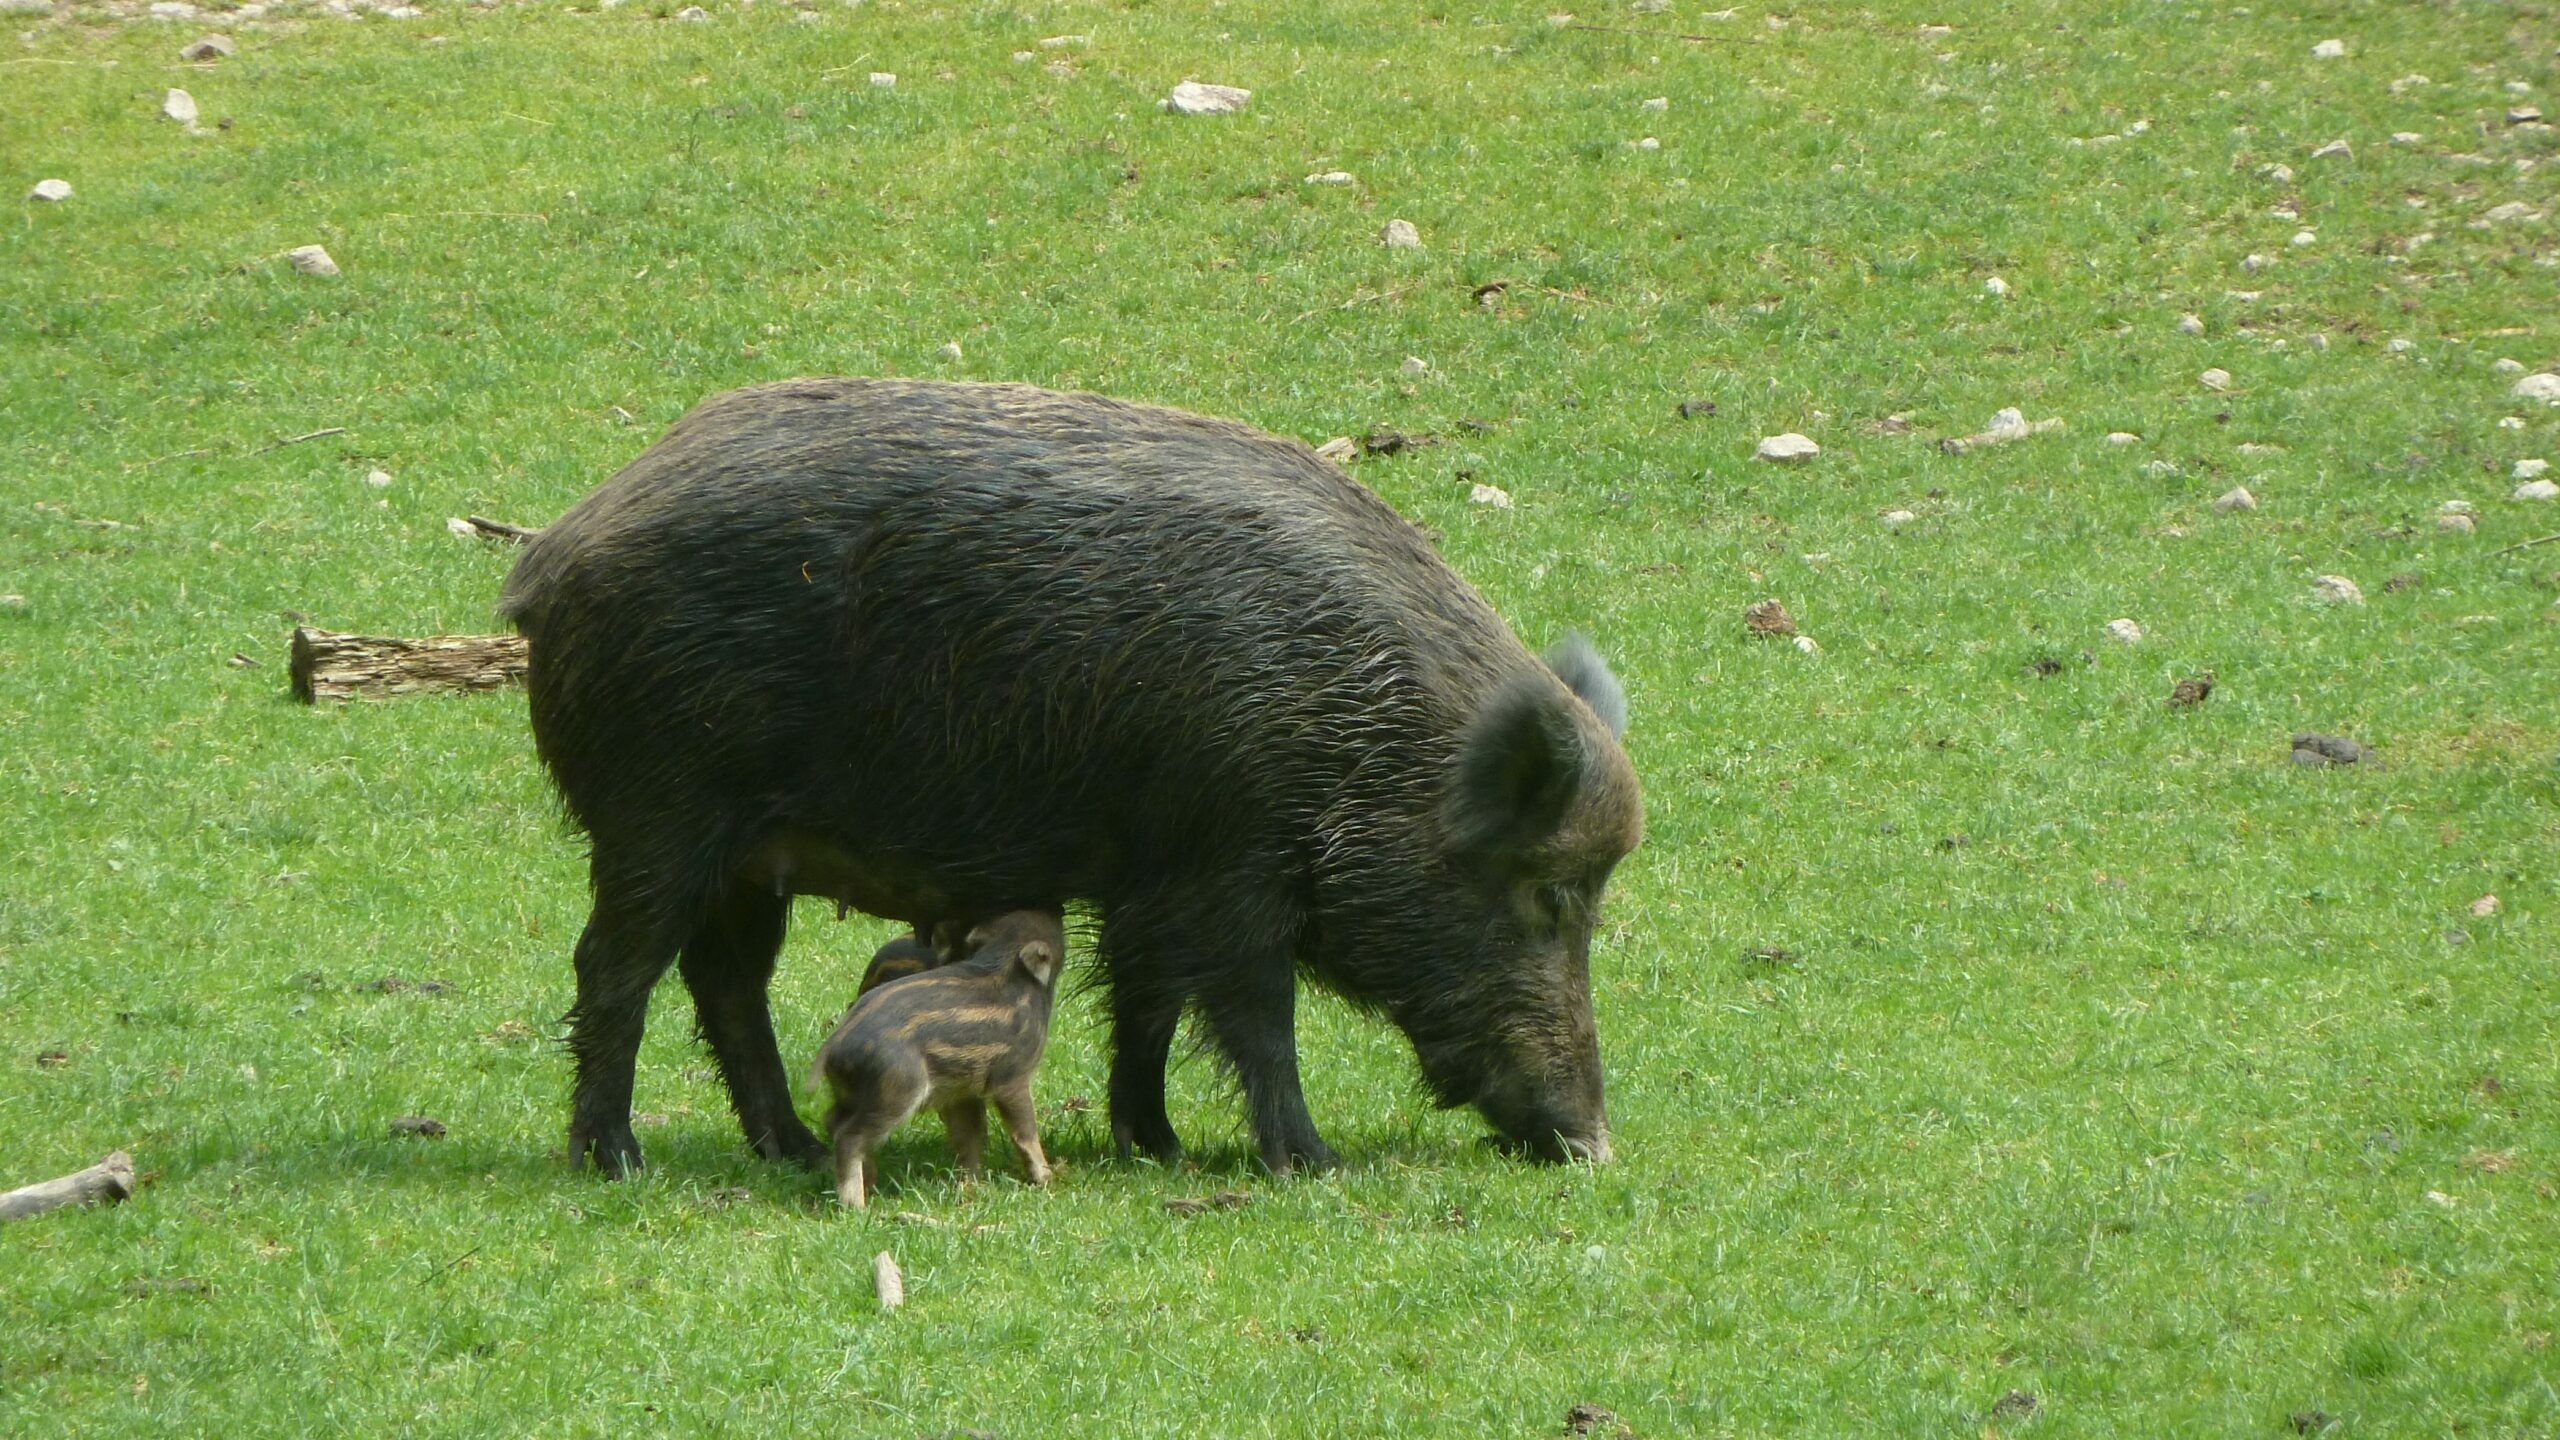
(2113, 1060)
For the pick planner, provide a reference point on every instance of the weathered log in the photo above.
(108, 1181)
(330, 665)
(481, 526)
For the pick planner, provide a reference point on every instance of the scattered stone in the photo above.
(2316, 750)
(378, 479)
(1996, 287)
(1789, 448)
(2406, 137)
(2123, 437)
(1332, 177)
(2009, 424)
(2407, 83)
(2543, 386)
(1697, 409)
(210, 47)
(951, 351)
(1193, 98)
(2190, 324)
(2337, 149)
(180, 106)
(2305, 237)
(50, 190)
(2336, 590)
(1400, 235)
(1897, 517)
(14, 604)
(2508, 213)
(1769, 620)
(2482, 909)
(2254, 263)
(1339, 450)
(1492, 496)
(2160, 469)
(418, 1125)
(693, 12)
(312, 260)
(1808, 645)
(1060, 42)
(2281, 174)
(2456, 524)
(2530, 470)
(2329, 50)
(2537, 490)
(2191, 692)
(2524, 115)
(2510, 422)
(2215, 379)
(1889, 425)
(2124, 632)
(883, 80)
(1647, 143)
(2400, 345)
(2237, 500)
(1656, 105)
(1414, 367)
(2506, 366)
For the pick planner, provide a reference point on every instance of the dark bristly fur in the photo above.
(958, 1037)
(936, 650)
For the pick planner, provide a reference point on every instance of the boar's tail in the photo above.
(1587, 675)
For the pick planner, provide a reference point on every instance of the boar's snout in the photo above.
(1554, 1117)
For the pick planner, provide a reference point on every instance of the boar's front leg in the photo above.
(1253, 1015)
(1142, 1026)
(728, 964)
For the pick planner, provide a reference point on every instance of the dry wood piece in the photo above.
(329, 665)
(488, 529)
(110, 1180)
(885, 1278)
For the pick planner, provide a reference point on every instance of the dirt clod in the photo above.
(418, 1125)
(2314, 750)
(2191, 691)
(2016, 1403)
(1587, 1419)
(1769, 620)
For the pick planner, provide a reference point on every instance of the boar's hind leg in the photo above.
(620, 955)
(728, 963)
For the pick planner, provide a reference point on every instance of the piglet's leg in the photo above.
(1013, 1102)
(965, 1123)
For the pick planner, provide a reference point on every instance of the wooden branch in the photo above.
(108, 1181)
(298, 439)
(2524, 545)
(487, 529)
(329, 665)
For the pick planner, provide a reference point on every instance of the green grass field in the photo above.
(2112, 1059)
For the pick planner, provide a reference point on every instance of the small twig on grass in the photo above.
(534, 216)
(110, 1180)
(499, 529)
(1658, 34)
(2525, 544)
(456, 1260)
(298, 439)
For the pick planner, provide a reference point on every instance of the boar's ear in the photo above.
(1038, 959)
(1519, 766)
(1587, 675)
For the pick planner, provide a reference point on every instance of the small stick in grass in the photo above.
(886, 1279)
(108, 1181)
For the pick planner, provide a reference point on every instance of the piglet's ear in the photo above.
(1520, 765)
(1037, 958)
(1587, 675)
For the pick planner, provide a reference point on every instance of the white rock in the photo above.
(1060, 42)
(2336, 590)
(2400, 345)
(312, 260)
(1996, 286)
(2138, 127)
(1936, 32)
(2254, 263)
(2215, 379)
(2281, 174)
(2123, 437)
(1647, 143)
(951, 351)
(1193, 98)
(463, 529)
(2536, 490)
(2407, 83)
(2457, 507)
(2544, 387)
(1340, 450)
(1786, 449)
(693, 12)
(210, 47)
(1808, 645)
(2406, 137)
(1400, 235)
(2506, 366)
(412, 12)
(1060, 69)
(1025, 57)
(2512, 210)
(1657, 104)
(2510, 422)
(2190, 324)
(2124, 632)
(172, 10)
(1491, 495)
(378, 479)
(2160, 469)
(2009, 424)
(180, 106)
(2305, 237)
(26, 7)
(2329, 50)
(2337, 149)
(2319, 340)
(1414, 367)
(884, 80)
(2252, 447)
(2530, 470)
(51, 190)
(2458, 524)
(1897, 517)
(2525, 115)
(1331, 177)
(2237, 500)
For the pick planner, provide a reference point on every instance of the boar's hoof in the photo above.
(614, 1154)
(1160, 1146)
(1309, 1156)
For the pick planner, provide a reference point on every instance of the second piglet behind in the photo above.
(956, 1038)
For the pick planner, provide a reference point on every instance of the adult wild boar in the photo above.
(943, 651)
